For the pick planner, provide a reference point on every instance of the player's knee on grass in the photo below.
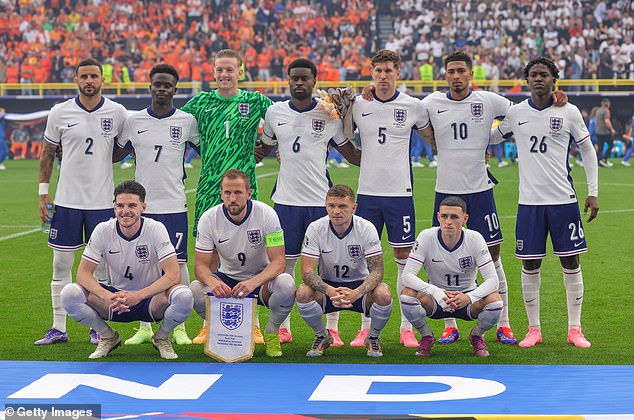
(413, 310)
(199, 292)
(283, 286)
(304, 294)
(181, 300)
(490, 315)
(381, 295)
(478, 306)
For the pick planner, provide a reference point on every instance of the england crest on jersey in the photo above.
(477, 109)
(465, 262)
(254, 236)
(107, 124)
(400, 115)
(176, 132)
(231, 315)
(142, 252)
(354, 251)
(556, 123)
(243, 108)
(319, 125)
(519, 244)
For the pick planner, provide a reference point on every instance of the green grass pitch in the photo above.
(25, 307)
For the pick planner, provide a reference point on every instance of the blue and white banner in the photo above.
(230, 322)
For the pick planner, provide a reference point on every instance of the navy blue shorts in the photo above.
(462, 313)
(71, 228)
(483, 215)
(563, 221)
(357, 306)
(232, 283)
(139, 312)
(295, 221)
(176, 224)
(396, 213)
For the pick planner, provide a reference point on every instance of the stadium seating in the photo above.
(41, 40)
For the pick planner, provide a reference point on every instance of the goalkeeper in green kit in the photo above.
(228, 120)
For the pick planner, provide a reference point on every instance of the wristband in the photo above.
(43, 188)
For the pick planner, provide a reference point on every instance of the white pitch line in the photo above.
(15, 235)
(16, 226)
(28, 232)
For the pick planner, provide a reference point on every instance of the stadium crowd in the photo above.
(41, 40)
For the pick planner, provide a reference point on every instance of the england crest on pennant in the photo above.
(231, 315)
(243, 108)
(107, 124)
(176, 132)
(319, 125)
(400, 115)
(556, 123)
(477, 109)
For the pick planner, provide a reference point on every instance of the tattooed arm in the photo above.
(47, 159)
(311, 278)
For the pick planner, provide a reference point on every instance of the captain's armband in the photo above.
(274, 239)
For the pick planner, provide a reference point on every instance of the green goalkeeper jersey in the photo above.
(228, 133)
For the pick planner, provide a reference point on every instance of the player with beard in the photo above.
(85, 127)
(303, 131)
(246, 236)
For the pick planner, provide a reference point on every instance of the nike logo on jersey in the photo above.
(521, 122)
(578, 243)
(280, 124)
(433, 260)
(210, 109)
(494, 235)
(72, 125)
(141, 131)
(406, 237)
(579, 298)
(440, 111)
(113, 252)
(530, 300)
(363, 114)
(326, 252)
(220, 241)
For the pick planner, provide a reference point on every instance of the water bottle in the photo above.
(46, 226)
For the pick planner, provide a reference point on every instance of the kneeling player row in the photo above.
(244, 238)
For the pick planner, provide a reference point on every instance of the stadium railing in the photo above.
(590, 86)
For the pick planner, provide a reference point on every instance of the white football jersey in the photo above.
(159, 144)
(455, 269)
(386, 129)
(302, 138)
(132, 264)
(240, 246)
(543, 139)
(342, 259)
(87, 138)
(461, 130)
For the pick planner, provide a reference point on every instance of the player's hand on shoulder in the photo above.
(591, 203)
(368, 92)
(560, 98)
